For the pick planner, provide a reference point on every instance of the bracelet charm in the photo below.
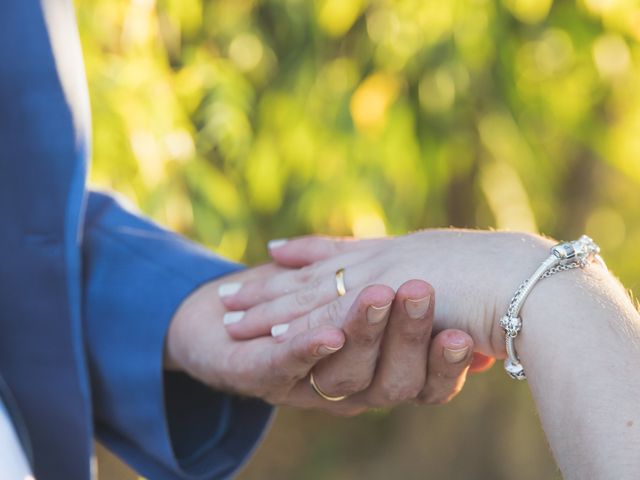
(564, 256)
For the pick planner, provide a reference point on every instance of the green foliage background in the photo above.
(235, 122)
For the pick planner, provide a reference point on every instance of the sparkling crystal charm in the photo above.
(511, 325)
(580, 251)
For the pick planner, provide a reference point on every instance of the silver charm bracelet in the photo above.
(564, 256)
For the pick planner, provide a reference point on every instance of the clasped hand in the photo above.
(375, 343)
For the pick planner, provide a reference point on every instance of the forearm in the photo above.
(580, 346)
(580, 343)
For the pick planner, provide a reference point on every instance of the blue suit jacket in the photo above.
(87, 288)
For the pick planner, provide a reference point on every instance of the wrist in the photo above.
(526, 252)
(174, 345)
(564, 304)
(194, 332)
(479, 276)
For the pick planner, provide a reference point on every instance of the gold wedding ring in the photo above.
(316, 389)
(340, 286)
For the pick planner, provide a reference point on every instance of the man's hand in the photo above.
(381, 355)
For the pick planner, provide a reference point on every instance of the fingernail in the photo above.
(273, 244)
(228, 289)
(232, 317)
(377, 314)
(456, 355)
(326, 349)
(417, 308)
(279, 329)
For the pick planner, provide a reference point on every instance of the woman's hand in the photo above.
(366, 357)
(475, 273)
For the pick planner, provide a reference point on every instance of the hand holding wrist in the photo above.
(579, 344)
(277, 370)
(474, 273)
(477, 273)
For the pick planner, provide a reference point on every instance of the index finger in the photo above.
(352, 368)
(298, 252)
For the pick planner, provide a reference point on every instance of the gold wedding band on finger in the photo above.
(317, 389)
(340, 286)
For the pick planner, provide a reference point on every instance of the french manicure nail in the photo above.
(228, 289)
(377, 314)
(273, 244)
(456, 355)
(326, 349)
(279, 329)
(232, 317)
(417, 308)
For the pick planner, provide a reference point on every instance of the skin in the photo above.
(473, 272)
(356, 358)
(580, 343)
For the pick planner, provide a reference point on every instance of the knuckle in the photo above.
(305, 274)
(395, 394)
(347, 386)
(334, 313)
(366, 339)
(305, 296)
(311, 356)
(305, 355)
(259, 312)
(269, 288)
(313, 319)
(393, 397)
(280, 376)
(415, 338)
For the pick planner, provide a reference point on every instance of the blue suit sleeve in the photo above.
(165, 425)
